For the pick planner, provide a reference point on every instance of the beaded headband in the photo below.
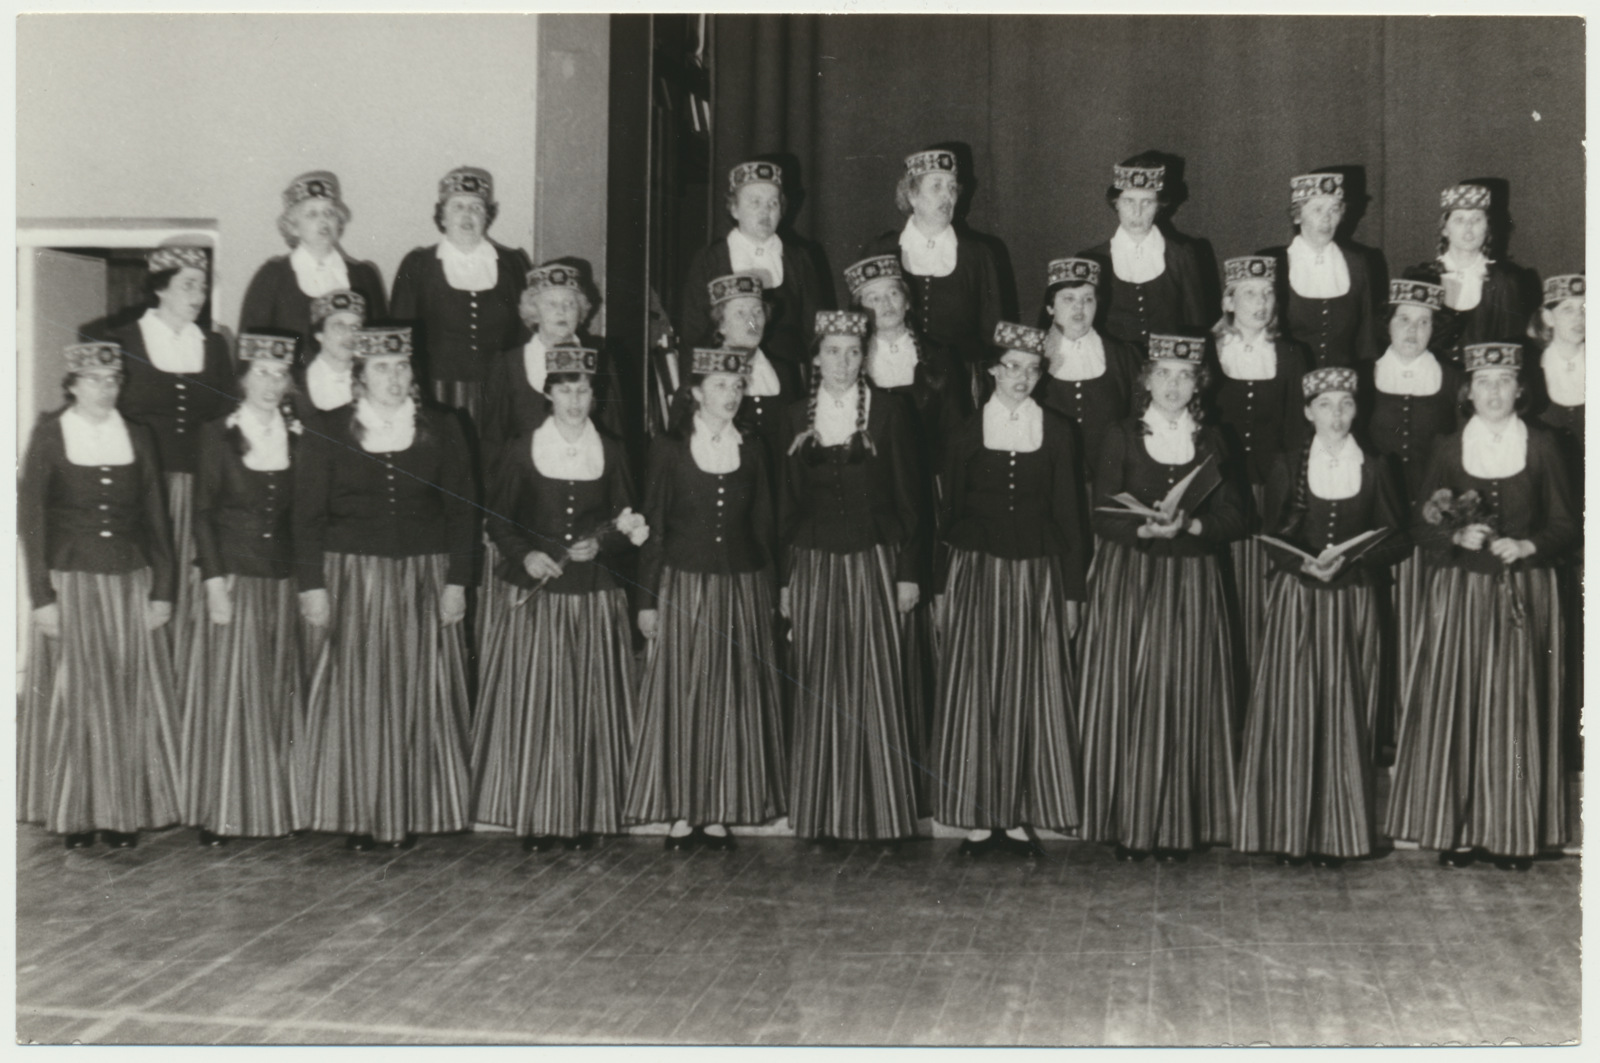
(1073, 271)
(752, 172)
(1492, 356)
(1014, 337)
(1464, 197)
(1328, 378)
(1417, 293)
(557, 276)
(842, 323)
(381, 342)
(734, 285)
(261, 347)
(707, 360)
(318, 184)
(342, 301)
(1177, 348)
(1307, 185)
(467, 181)
(930, 162)
(1249, 268)
(570, 360)
(1563, 286)
(1126, 178)
(164, 258)
(858, 275)
(87, 357)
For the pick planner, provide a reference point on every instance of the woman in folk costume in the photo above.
(1480, 768)
(1011, 593)
(178, 377)
(1327, 303)
(1259, 408)
(243, 701)
(554, 724)
(710, 749)
(281, 295)
(900, 360)
(1483, 299)
(1089, 375)
(1306, 786)
(461, 294)
(954, 281)
(98, 742)
(739, 319)
(1558, 330)
(1157, 656)
(1155, 283)
(385, 523)
(1411, 400)
(848, 528)
(324, 380)
(794, 292)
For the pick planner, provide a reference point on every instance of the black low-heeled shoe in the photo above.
(119, 840)
(1514, 863)
(1172, 856)
(680, 843)
(1126, 855)
(977, 846)
(539, 843)
(212, 841)
(360, 843)
(1285, 860)
(408, 842)
(579, 843)
(717, 843)
(81, 840)
(1028, 847)
(1451, 858)
(1332, 863)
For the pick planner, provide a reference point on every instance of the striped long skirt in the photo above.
(1480, 763)
(1306, 775)
(554, 726)
(919, 678)
(1007, 737)
(1251, 574)
(242, 712)
(710, 746)
(852, 750)
(1408, 599)
(384, 748)
(98, 742)
(189, 607)
(1157, 659)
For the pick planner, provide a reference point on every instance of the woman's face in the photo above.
(1494, 393)
(387, 380)
(316, 224)
(1171, 386)
(744, 320)
(1073, 310)
(1331, 414)
(96, 390)
(336, 330)
(1137, 209)
(1410, 329)
(571, 402)
(466, 219)
(719, 394)
(757, 208)
(558, 311)
(839, 361)
(1016, 375)
(1250, 302)
(185, 295)
(933, 199)
(1320, 217)
(887, 302)
(1565, 321)
(1466, 230)
(265, 384)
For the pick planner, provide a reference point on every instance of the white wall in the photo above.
(210, 116)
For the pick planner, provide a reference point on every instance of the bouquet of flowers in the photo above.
(1453, 512)
(627, 523)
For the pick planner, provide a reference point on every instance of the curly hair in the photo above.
(491, 212)
(906, 187)
(1494, 233)
(286, 222)
(1141, 391)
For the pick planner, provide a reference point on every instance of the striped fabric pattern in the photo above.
(33, 722)
(710, 746)
(189, 606)
(1007, 743)
(1251, 574)
(242, 710)
(1480, 762)
(919, 679)
(1157, 660)
(852, 751)
(1409, 608)
(1306, 776)
(110, 754)
(387, 718)
(553, 733)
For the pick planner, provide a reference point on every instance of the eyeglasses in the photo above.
(1014, 370)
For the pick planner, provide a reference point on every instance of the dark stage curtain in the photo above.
(1048, 104)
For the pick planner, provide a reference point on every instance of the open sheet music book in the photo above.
(1168, 507)
(1356, 543)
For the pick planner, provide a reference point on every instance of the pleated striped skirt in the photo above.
(1409, 611)
(242, 711)
(1480, 763)
(852, 749)
(1007, 739)
(1251, 574)
(919, 679)
(553, 731)
(387, 718)
(1306, 775)
(99, 738)
(189, 605)
(1157, 659)
(710, 746)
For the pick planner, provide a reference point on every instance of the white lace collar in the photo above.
(1081, 359)
(386, 433)
(557, 459)
(747, 256)
(836, 415)
(1138, 261)
(928, 256)
(183, 351)
(1257, 360)
(268, 441)
(470, 271)
(328, 387)
(1169, 441)
(1494, 454)
(1020, 430)
(1334, 473)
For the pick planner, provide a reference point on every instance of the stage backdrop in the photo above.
(1048, 104)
